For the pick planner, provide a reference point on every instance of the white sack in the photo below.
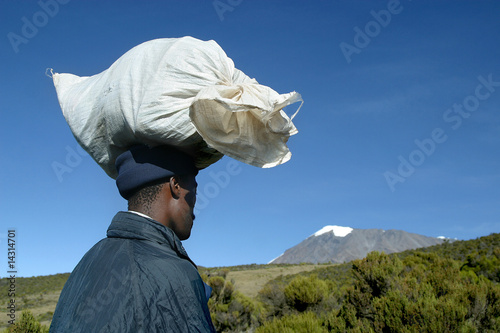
(181, 92)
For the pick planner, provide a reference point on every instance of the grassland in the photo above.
(249, 282)
(452, 287)
(40, 294)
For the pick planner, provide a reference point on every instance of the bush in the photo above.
(272, 296)
(304, 292)
(27, 324)
(306, 322)
(230, 311)
(426, 294)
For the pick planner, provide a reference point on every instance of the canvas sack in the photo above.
(182, 92)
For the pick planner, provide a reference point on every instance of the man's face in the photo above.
(183, 214)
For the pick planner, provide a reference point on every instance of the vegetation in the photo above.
(453, 287)
(34, 285)
(38, 294)
(27, 324)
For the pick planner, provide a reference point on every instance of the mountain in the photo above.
(342, 244)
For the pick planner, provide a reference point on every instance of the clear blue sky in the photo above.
(400, 128)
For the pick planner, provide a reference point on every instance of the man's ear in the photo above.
(175, 187)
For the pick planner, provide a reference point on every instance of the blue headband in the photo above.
(141, 166)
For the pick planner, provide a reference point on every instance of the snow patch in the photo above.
(441, 237)
(337, 230)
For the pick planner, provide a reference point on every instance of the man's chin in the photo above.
(185, 236)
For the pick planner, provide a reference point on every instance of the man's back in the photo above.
(139, 279)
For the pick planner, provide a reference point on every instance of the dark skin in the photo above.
(174, 205)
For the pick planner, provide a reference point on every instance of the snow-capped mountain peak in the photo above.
(333, 246)
(337, 230)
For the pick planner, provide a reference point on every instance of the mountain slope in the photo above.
(341, 244)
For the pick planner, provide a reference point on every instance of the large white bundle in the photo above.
(181, 92)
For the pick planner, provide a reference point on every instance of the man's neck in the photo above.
(140, 214)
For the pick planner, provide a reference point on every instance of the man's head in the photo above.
(159, 182)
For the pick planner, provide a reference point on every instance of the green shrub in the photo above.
(27, 324)
(230, 311)
(272, 296)
(306, 322)
(304, 292)
(425, 293)
(377, 272)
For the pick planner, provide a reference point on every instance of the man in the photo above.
(140, 278)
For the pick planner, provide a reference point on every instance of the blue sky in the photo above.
(400, 128)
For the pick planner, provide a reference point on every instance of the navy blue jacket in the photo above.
(138, 279)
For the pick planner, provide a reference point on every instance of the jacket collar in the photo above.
(134, 226)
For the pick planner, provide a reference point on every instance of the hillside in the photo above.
(342, 244)
(482, 255)
(40, 294)
(444, 288)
